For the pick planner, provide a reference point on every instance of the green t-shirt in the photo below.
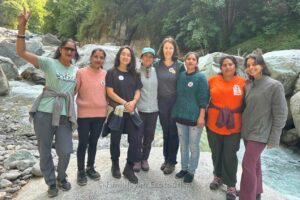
(58, 78)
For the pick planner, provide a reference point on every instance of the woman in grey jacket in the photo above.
(264, 117)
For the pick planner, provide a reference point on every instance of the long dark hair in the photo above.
(57, 53)
(232, 58)
(100, 50)
(160, 52)
(131, 67)
(196, 55)
(259, 60)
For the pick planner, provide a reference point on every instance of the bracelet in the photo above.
(21, 36)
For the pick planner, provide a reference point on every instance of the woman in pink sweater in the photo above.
(91, 113)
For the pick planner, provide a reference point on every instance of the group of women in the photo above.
(129, 100)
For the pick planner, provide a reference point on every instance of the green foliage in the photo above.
(9, 10)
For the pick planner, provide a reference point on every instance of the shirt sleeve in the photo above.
(44, 63)
(279, 114)
(109, 79)
(139, 84)
(203, 91)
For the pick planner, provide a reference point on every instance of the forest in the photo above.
(201, 25)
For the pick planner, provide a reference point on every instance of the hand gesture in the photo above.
(23, 17)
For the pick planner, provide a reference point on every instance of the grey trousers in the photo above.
(63, 144)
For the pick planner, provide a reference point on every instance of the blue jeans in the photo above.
(189, 138)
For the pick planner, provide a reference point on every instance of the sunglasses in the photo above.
(69, 49)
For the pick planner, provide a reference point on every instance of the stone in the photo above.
(2, 195)
(8, 49)
(290, 137)
(11, 175)
(289, 122)
(85, 53)
(36, 170)
(10, 147)
(27, 171)
(34, 75)
(295, 108)
(297, 85)
(5, 183)
(4, 85)
(28, 176)
(284, 66)
(12, 189)
(9, 68)
(209, 64)
(24, 164)
(50, 40)
(17, 156)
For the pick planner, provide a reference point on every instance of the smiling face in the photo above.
(228, 68)
(97, 59)
(191, 62)
(147, 59)
(253, 69)
(168, 50)
(125, 57)
(68, 51)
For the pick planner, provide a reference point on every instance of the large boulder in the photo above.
(9, 68)
(86, 50)
(209, 64)
(4, 85)
(50, 40)
(295, 108)
(8, 49)
(34, 75)
(290, 137)
(285, 67)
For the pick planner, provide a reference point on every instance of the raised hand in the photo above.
(23, 17)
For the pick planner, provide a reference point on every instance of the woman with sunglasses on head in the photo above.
(53, 111)
(91, 113)
(123, 85)
(167, 70)
(263, 119)
(147, 106)
(189, 112)
(223, 124)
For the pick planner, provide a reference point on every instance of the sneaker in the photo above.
(188, 178)
(90, 171)
(115, 169)
(162, 167)
(231, 193)
(145, 165)
(129, 174)
(64, 185)
(169, 168)
(216, 183)
(81, 178)
(137, 167)
(181, 174)
(52, 191)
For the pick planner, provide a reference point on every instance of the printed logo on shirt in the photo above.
(190, 84)
(121, 78)
(102, 82)
(65, 77)
(172, 70)
(237, 90)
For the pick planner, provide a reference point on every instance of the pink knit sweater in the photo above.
(91, 96)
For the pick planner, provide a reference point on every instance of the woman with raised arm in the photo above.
(53, 111)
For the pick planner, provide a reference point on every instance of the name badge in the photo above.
(121, 78)
(237, 90)
(190, 84)
(171, 70)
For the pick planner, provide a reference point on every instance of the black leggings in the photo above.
(89, 130)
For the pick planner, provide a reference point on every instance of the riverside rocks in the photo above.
(4, 85)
